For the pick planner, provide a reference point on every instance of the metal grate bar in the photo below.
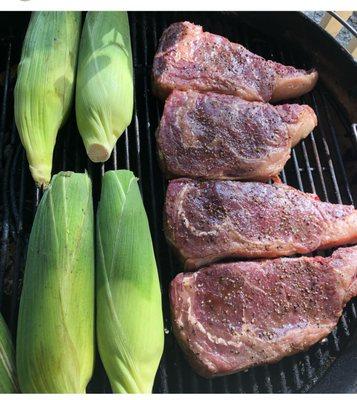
(5, 224)
(267, 380)
(20, 244)
(297, 170)
(283, 176)
(4, 104)
(283, 383)
(15, 213)
(253, 380)
(135, 117)
(308, 168)
(127, 157)
(326, 149)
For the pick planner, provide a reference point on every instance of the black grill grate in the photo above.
(322, 163)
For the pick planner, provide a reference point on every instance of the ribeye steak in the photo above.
(218, 136)
(229, 317)
(188, 58)
(210, 220)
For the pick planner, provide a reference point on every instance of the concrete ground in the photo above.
(344, 35)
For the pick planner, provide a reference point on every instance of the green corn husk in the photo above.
(55, 337)
(8, 380)
(130, 329)
(104, 93)
(45, 85)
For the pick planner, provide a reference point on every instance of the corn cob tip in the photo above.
(97, 152)
(41, 175)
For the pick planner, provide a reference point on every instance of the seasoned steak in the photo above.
(217, 136)
(210, 220)
(229, 317)
(188, 58)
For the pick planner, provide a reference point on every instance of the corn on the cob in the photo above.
(129, 314)
(104, 92)
(55, 337)
(8, 380)
(45, 85)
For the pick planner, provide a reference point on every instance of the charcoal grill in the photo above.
(324, 163)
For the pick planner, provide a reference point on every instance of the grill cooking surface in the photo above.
(322, 163)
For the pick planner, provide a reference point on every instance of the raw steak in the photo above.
(188, 58)
(229, 317)
(211, 220)
(217, 136)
